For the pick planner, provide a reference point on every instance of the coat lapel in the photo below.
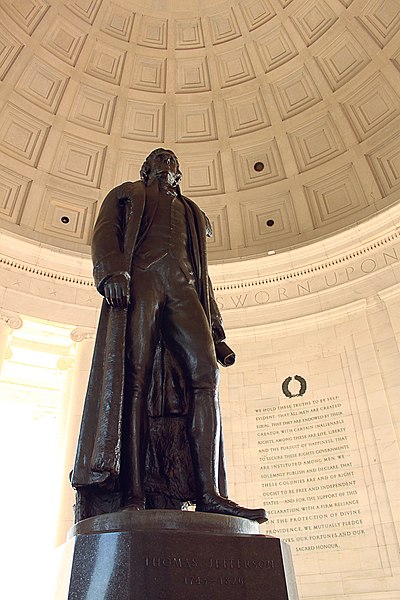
(135, 196)
(197, 229)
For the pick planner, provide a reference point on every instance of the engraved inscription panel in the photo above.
(310, 472)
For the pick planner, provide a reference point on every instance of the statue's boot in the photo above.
(204, 438)
(134, 503)
(223, 506)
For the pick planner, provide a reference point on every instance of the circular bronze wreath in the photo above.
(303, 386)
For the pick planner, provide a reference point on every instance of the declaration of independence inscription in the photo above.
(307, 475)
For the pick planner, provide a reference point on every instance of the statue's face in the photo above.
(164, 165)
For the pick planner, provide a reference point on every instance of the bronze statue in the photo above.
(151, 431)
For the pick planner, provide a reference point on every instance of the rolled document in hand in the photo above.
(225, 355)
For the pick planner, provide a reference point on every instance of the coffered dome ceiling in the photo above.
(284, 114)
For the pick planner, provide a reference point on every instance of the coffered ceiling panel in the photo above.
(275, 47)
(192, 75)
(284, 114)
(10, 47)
(27, 14)
(385, 163)
(312, 19)
(117, 22)
(316, 142)
(342, 59)
(22, 135)
(14, 189)
(188, 34)
(149, 73)
(64, 40)
(202, 174)
(256, 12)
(381, 18)
(85, 9)
(334, 195)
(42, 84)
(224, 27)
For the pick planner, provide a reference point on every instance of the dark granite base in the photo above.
(174, 555)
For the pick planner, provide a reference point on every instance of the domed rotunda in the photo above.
(285, 118)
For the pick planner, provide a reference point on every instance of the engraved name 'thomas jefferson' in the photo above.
(210, 563)
(151, 431)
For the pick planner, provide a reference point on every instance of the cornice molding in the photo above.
(289, 274)
(361, 261)
(37, 271)
(313, 269)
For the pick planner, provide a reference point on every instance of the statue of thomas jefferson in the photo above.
(151, 432)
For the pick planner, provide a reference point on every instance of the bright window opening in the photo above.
(34, 390)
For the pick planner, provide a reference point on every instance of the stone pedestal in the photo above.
(174, 555)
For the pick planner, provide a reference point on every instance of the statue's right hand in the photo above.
(117, 290)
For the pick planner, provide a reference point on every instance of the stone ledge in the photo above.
(179, 520)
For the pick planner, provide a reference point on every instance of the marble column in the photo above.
(79, 367)
(8, 322)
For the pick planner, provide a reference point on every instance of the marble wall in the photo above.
(321, 451)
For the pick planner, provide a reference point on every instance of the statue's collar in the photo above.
(163, 187)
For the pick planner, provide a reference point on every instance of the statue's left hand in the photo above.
(225, 355)
(117, 291)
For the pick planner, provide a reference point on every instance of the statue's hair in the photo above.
(144, 171)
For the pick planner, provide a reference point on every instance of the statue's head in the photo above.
(161, 163)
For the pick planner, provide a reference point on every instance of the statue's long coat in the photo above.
(98, 458)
